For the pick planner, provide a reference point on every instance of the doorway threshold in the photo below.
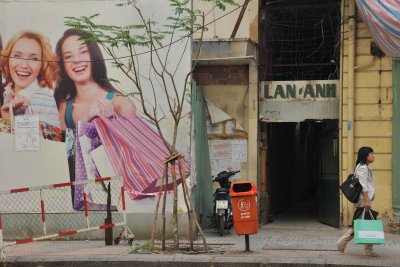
(302, 216)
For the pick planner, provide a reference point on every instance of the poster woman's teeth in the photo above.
(80, 69)
(23, 74)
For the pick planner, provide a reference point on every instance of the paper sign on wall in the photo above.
(27, 133)
(227, 155)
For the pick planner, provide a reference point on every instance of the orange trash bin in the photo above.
(244, 208)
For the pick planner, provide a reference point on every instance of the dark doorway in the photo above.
(303, 169)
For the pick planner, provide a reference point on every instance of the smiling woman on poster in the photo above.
(84, 91)
(30, 70)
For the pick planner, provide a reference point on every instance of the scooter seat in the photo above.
(222, 191)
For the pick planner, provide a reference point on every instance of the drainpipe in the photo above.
(396, 144)
(350, 94)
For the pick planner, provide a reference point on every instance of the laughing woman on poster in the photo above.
(84, 91)
(30, 70)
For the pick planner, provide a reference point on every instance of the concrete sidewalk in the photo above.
(299, 246)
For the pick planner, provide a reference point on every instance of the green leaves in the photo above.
(222, 4)
(181, 24)
(109, 35)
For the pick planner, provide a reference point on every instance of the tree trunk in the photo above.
(192, 210)
(175, 224)
(164, 205)
(153, 232)
(189, 210)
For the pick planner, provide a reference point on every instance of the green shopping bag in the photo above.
(368, 231)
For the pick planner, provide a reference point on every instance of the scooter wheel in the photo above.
(221, 225)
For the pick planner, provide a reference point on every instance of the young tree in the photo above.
(158, 39)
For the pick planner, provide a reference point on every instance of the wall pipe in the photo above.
(342, 199)
(396, 144)
(350, 94)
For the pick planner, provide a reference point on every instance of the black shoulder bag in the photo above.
(352, 188)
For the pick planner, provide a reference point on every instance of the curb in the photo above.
(180, 261)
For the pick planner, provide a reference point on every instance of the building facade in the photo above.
(323, 90)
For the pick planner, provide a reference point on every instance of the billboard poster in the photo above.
(91, 123)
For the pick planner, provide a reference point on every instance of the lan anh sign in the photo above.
(318, 90)
(296, 101)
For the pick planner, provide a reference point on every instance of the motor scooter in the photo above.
(223, 219)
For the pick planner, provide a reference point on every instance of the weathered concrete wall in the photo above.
(236, 97)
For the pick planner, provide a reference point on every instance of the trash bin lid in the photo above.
(243, 189)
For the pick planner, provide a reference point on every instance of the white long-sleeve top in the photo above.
(40, 100)
(364, 175)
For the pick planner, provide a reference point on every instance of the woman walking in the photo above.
(364, 175)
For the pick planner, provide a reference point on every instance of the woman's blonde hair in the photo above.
(49, 71)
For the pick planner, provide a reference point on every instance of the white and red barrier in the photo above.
(50, 201)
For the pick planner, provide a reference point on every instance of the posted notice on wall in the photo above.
(26, 133)
(227, 155)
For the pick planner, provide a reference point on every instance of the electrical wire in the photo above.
(302, 44)
(145, 52)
